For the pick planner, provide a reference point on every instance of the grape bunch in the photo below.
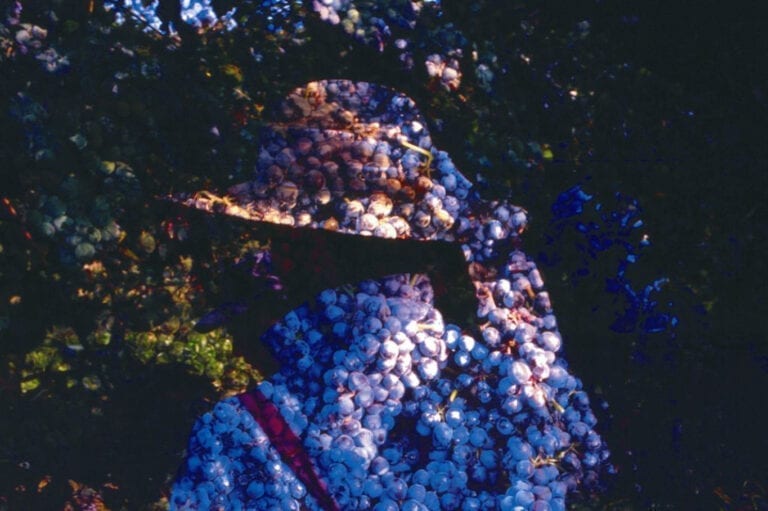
(395, 408)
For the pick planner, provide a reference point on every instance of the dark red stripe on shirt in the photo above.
(288, 445)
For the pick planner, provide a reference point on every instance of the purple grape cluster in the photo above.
(25, 39)
(399, 410)
(353, 157)
(412, 27)
(396, 409)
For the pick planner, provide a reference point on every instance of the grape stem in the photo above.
(425, 165)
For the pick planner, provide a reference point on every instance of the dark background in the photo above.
(683, 401)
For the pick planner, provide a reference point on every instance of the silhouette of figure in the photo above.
(378, 402)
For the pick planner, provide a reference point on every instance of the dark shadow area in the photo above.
(129, 441)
